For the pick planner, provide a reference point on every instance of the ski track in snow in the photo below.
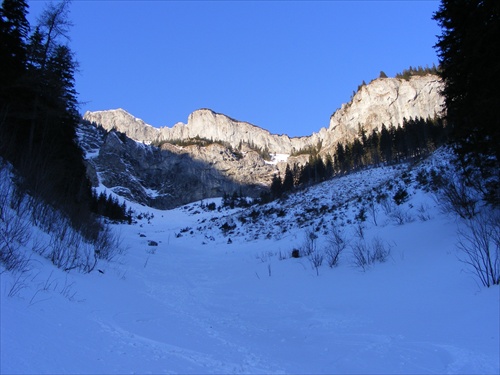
(189, 307)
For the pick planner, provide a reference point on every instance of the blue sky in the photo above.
(285, 66)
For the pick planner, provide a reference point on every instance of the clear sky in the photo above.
(285, 66)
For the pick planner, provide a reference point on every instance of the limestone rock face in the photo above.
(383, 101)
(386, 101)
(203, 123)
(168, 177)
(120, 155)
(123, 122)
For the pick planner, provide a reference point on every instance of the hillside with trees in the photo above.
(38, 121)
(414, 140)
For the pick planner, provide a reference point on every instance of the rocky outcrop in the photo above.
(383, 101)
(170, 176)
(203, 123)
(121, 157)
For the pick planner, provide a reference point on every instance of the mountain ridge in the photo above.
(214, 154)
(382, 101)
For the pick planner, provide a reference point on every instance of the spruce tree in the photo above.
(468, 51)
(276, 187)
(288, 180)
(14, 30)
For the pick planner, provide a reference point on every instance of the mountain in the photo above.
(169, 176)
(213, 154)
(382, 101)
(386, 101)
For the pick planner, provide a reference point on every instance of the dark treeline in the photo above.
(414, 139)
(417, 71)
(39, 110)
(109, 206)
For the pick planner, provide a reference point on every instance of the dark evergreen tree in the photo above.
(399, 143)
(276, 187)
(385, 144)
(306, 175)
(329, 170)
(318, 168)
(14, 30)
(468, 51)
(373, 145)
(39, 113)
(357, 152)
(288, 180)
(338, 158)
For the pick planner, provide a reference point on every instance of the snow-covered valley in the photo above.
(186, 296)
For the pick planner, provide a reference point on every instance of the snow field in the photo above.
(198, 305)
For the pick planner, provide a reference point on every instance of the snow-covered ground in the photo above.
(198, 304)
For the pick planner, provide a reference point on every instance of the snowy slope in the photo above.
(198, 304)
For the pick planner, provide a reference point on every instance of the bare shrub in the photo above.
(14, 228)
(400, 216)
(264, 256)
(479, 243)
(380, 250)
(68, 249)
(359, 231)
(282, 255)
(88, 257)
(336, 244)
(108, 245)
(372, 209)
(71, 245)
(365, 255)
(309, 245)
(63, 249)
(316, 259)
(454, 196)
(423, 213)
(387, 205)
(360, 254)
(19, 282)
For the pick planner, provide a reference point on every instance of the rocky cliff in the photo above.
(170, 176)
(385, 101)
(382, 101)
(122, 158)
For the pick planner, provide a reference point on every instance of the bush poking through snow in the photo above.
(380, 250)
(423, 213)
(14, 227)
(336, 244)
(479, 243)
(309, 246)
(454, 196)
(316, 259)
(400, 216)
(360, 254)
(108, 245)
(365, 255)
(400, 196)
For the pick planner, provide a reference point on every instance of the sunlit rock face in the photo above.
(386, 101)
(382, 101)
(169, 175)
